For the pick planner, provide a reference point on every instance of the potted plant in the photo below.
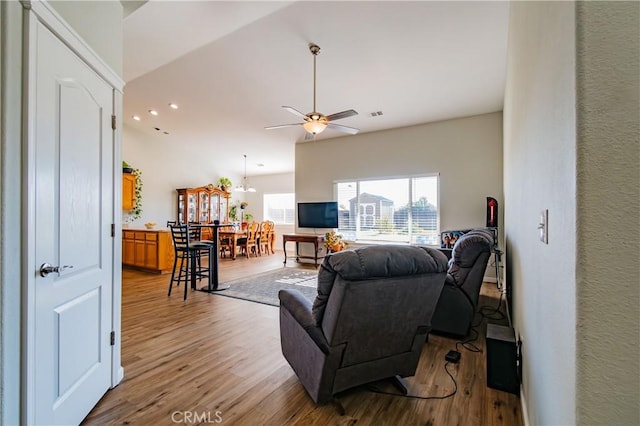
(333, 242)
(225, 184)
(136, 212)
(233, 213)
(126, 167)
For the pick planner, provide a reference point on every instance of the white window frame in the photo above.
(410, 203)
(265, 208)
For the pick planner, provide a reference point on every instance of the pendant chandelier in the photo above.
(245, 187)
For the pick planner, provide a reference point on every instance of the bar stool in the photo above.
(189, 251)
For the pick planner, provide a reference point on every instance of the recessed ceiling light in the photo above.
(260, 165)
(174, 106)
(136, 117)
(153, 112)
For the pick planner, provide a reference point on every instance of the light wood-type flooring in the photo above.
(217, 360)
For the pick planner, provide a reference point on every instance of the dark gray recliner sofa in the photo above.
(459, 298)
(369, 321)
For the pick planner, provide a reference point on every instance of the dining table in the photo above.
(233, 234)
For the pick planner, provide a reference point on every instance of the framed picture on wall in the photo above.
(448, 238)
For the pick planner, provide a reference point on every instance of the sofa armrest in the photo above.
(300, 309)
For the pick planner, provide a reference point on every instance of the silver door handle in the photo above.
(46, 269)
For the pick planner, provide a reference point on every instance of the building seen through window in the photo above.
(389, 210)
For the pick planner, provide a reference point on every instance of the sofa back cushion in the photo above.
(374, 262)
(465, 253)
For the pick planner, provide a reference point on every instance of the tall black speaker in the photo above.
(502, 359)
(492, 212)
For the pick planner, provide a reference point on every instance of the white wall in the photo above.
(608, 156)
(100, 24)
(277, 183)
(539, 173)
(466, 152)
(167, 164)
(575, 301)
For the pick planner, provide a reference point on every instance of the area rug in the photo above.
(263, 288)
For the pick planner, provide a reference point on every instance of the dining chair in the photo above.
(250, 242)
(272, 236)
(266, 234)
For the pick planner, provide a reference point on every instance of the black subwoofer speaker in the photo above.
(502, 359)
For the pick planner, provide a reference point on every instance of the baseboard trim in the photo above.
(523, 408)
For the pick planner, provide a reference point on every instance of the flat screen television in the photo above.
(318, 215)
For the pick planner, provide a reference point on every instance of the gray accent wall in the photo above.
(571, 146)
(465, 152)
(608, 203)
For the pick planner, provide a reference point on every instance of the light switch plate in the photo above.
(543, 226)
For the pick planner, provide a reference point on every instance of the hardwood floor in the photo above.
(213, 359)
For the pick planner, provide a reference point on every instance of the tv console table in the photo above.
(316, 240)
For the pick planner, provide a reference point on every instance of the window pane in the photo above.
(380, 201)
(425, 211)
(346, 192)
(389, 210)
(279, 208)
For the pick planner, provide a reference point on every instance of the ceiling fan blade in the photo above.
(308, 136)
(294, 111)
(343, 114)
(283, 125)
(345, 129)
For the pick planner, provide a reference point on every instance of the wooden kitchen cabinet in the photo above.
(148, 249)
(128, 191)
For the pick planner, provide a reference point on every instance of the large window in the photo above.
(279, 208)
(389, 210)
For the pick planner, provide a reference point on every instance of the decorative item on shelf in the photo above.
(333, 242)
(126, 167)
(136, 212)
(245, 187)
(225, 184)
(150, 225)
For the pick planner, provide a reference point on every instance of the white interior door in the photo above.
(72, 206)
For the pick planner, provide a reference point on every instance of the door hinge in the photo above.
(113, 230)
(113, 338)
(113, 122)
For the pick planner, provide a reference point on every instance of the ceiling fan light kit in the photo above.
(315, 127)
(316, 122)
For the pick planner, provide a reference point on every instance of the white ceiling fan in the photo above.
(315, 122)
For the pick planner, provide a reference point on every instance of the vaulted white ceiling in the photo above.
(230, 66)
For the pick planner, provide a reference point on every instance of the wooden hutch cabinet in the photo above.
(203, 205)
